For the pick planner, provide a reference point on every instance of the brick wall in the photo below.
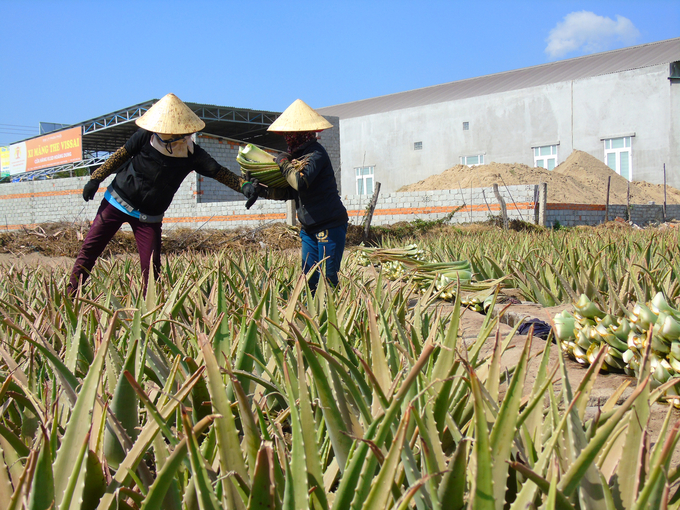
(28, 204)
(471, 205)
(570, 215)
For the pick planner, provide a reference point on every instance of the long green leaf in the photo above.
(80, 420)
(483, 496)
(228, 443)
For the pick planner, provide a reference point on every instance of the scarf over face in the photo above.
(177, 147)
(297, 139)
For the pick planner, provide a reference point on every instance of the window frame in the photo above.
(616, 152)
(480, 159)
(544, 158)
(364, 178)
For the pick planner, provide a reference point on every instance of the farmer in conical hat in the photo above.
(320, 211)
(149, 170)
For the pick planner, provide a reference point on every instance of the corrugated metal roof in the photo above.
(626, 59)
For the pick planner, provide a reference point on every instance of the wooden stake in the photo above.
(371, 209)
(504, 211)
(664, 192)
(606, 207)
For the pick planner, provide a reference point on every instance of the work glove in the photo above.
(283, 156)
(250, 191)
(90, 189)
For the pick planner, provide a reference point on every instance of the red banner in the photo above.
(53, 149)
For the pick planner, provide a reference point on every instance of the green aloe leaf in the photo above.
(590, 492)
(503, 431)
(228, 443)
(307, 429)
(80, 419)
(74, 477)
(528, 491)
(454, 482)
(15, 502)
(158, 492)
(263, 493)
(651, 494)
(299, 486)
(336, 426)
(571, 480)
(144, 440)
(483, 496)
(207, 499)
(560, 501)
(360, 457)
(124, 406)
(41, 495)
(382, 485)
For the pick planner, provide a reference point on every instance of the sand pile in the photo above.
(580, 179)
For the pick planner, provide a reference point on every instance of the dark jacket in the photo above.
(149, 180)
(317, 198)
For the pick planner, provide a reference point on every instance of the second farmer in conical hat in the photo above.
(322, 215)
(149, 169)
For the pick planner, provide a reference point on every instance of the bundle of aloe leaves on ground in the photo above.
(229, 385)
(412, 264)
(260, 165)
(656, 323)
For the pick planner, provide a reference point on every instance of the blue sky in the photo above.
(68, 61)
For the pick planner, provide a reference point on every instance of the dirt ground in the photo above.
(580, 179)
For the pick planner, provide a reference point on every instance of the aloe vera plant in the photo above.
(229, 385)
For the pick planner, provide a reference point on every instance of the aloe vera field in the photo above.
(228, 384)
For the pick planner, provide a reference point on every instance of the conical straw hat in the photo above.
(170, 116)
(299, 117)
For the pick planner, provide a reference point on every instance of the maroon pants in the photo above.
(107, 222)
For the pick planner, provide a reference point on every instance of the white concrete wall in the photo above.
(505, 126)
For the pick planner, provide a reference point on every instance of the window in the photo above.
(364, 180)
(466, 126)
(675, 71)
(472, 160)
(618, 157)
(546, 156)
(418, 146)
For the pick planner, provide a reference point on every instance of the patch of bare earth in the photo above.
(580, 179)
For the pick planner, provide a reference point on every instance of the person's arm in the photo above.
(229, 179)
(115, 161)
(301, 177)
(206, 165)
(112, 164)
(277, 193)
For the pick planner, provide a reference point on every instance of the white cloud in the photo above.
(590, 33)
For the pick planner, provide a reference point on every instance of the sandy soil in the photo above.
(580, 179)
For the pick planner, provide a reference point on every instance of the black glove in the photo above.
(284, 156)
(90, 189)
(250, 191)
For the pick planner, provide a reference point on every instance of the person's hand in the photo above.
(90, 189)
(250, 190)
(283, 156)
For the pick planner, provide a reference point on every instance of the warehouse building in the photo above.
(622, 106)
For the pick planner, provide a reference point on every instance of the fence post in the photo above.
(291, 215)
(606, 207)
(504, 211)
(542, 202)
(371, 209)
